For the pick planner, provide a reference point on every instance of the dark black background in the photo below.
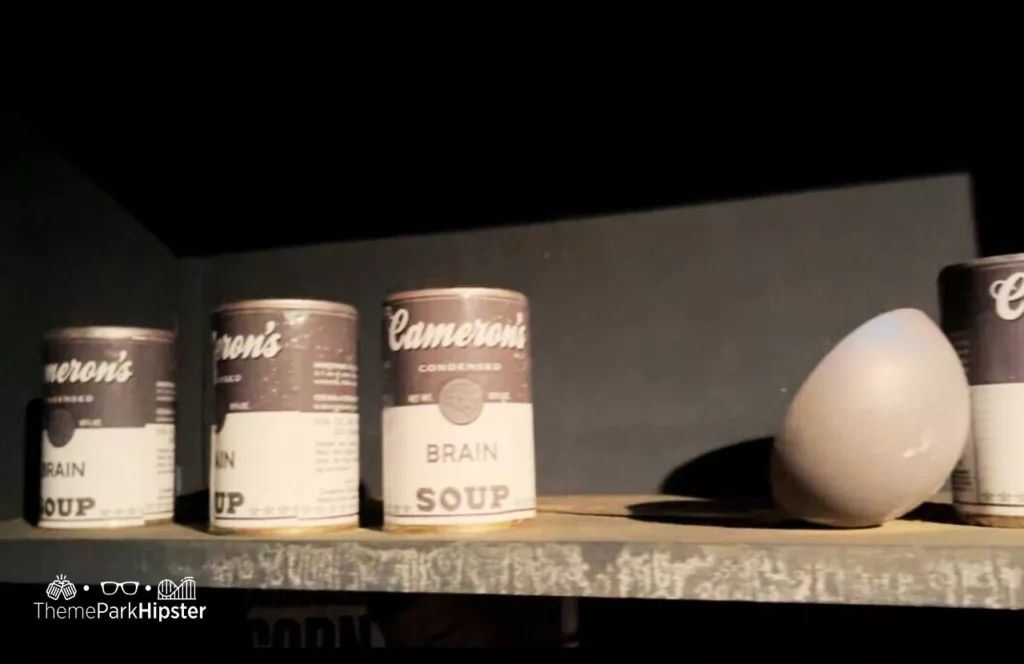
(216, 171)
(710, 629)
(226, 626)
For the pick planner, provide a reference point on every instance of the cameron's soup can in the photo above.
(458, 412)
(108, 434)
(285, 452)
(983, 316)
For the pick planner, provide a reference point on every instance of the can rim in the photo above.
(286, 303)
(994, 260)
(110, 332)
(457, 291)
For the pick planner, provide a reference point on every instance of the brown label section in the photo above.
(284, 360)
(457, 352)
(106, 383)
(983, 314)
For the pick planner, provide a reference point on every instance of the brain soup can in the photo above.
(285, 451)
(458, 450)
(983, 316)
(108, 430)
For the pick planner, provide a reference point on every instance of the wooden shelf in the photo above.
(578, 546)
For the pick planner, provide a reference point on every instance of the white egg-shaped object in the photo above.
(876, 428)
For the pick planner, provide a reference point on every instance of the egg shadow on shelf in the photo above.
(933, 512)
(731, 487)
(738, 472)
(728, 487)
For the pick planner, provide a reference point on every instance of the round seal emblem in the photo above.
(60, 426)
(221, 406)
(461, 401)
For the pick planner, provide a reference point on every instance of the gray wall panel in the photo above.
(657, 336)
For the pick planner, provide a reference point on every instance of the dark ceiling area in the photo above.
(234, 178)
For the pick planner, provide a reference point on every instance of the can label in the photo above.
(108, 435)
(286, 439)
(458, 412)
(983, 315)
(164, 488)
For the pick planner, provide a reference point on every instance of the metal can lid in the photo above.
(990, 261)
(110, 332)
(276, 304)
(456, 292)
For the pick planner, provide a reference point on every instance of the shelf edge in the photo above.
(978, 577)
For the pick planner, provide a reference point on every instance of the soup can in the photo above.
(285, 444)
(458, 442)
(982, 305)
(108, 431)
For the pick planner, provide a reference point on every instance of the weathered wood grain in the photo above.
(582, 555)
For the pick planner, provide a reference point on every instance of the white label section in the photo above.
(330, 479)
(437, 473)
(98, 480)
(161, 503)
(282, 470)
(991, 474)
(255, 466)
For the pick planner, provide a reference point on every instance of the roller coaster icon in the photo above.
(170, 591)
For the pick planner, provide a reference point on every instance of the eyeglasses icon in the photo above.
(126, 587)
